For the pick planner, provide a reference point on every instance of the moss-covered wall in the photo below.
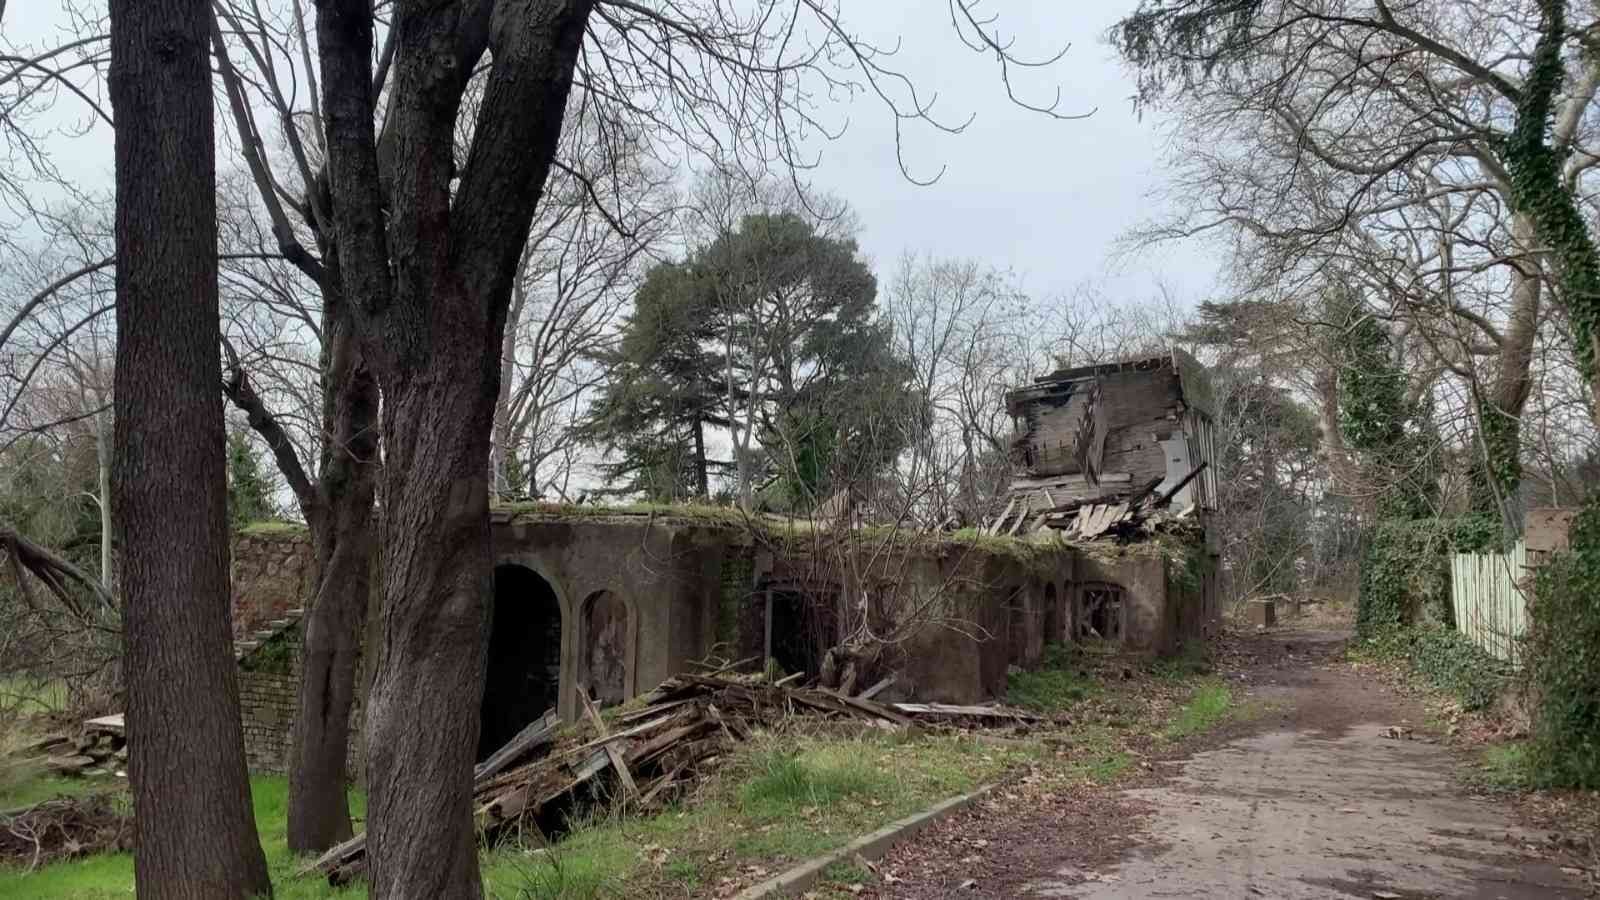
(693, 581)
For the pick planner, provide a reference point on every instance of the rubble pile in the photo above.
(101, 748)
(1124, 516)
(644, 754)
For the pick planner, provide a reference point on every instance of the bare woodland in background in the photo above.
(621, 330)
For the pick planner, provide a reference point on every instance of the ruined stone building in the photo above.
(617, 600)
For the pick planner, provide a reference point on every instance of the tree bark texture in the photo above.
(197, 837)
(428, 273)
(342, 535)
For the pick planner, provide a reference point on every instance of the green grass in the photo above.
(111, 875)
(1208, 706)
(1094, 755)
(1188, 662)
(24, 784)
(272, 529)
(1055, 686)
(1507, 767)
(775, 802)
(1049, 690)
(26, 696)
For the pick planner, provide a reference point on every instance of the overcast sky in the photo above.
(1020, 191)
(1044, 198)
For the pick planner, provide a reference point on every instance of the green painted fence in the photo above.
(1491, 608)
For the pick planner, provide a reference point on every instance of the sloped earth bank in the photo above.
(1311, 798)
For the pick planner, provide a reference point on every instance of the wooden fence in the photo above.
(1490, 608)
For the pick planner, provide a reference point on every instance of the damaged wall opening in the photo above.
(1017, 628)
(1053, 632)
(605, 656)
(524, 673)
(799, 629)
(1099, 611)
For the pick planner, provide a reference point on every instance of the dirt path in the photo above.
(1310, 799)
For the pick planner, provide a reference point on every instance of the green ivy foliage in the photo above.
(1447, 660)
(1405, 569)
(1497, 470)
(1563, 658)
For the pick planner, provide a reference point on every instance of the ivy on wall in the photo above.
(1405, 569)
(1448, 660)
(1563, 659)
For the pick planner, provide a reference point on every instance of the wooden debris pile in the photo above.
(101, 748)
(643, 755)
(1125, 516)
(64, 828)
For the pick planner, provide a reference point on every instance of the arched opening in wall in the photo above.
(801, 628)
(606, 653)
(1017, 627)
(1099, 613)
(524, 674)
(1053, 633)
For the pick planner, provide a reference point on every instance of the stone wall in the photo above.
(272, 574)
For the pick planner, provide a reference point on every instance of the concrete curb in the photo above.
(872, 847)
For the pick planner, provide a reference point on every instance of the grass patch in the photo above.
(777, 799)
(1189, 662)
(26, 783)
(1093, 754)
(273, 529)
(785, 781)
(1208, 706)
(26, 696)
(1507, 767)
(1048, 690)
(1056, 686)
(111, 875)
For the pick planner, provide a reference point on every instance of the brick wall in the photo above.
(269, 679)
(269, 684)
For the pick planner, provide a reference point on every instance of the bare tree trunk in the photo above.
(102, 449)
(186, 750)
(701, 477)
(319, 812)
(423, 709)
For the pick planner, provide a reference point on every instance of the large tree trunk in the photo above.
(191, 795)
(423, 708)
(319, 812)
(342, 531)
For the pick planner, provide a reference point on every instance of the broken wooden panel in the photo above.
(1138, 419)
(1100, 611)
(1090, 445)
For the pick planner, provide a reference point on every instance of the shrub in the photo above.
(1405, 569)
(1447, 660)
(1563, 659)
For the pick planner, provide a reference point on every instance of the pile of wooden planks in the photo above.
(1123, 515)
(651, 749)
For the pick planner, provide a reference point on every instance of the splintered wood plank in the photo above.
(628, 787)
(536, 734)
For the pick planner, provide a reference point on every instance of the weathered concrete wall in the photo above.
(672, 590)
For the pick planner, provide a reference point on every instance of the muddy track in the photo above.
(1311, 797)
